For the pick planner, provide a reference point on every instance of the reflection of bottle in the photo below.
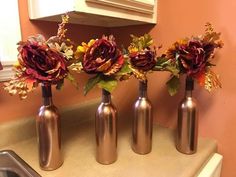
(143, 122)
(106, 130)
(1, 65)
(187, 127)
(48, 131)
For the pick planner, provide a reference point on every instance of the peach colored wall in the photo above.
(176, 19)
(180, 18)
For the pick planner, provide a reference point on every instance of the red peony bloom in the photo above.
(103, 57)
(144, 60)
(41, 62)
(192, 56)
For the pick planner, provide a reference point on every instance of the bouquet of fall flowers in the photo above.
(141, 58)
(192, 56)
(102, 59)
(41, 61)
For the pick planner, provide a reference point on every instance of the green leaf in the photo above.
(76, 66)
(91, 83)
(124, 70)
(210, 64)
(161, 63)
(140, 45)
(141, 42)
(60, 84)
(165, 64)
(71, 78)
(124, 50)
(173, 69)
(173, 85)
(109, 84)
(147, 40)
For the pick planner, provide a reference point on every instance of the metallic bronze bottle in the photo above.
(142, 122)
(48, 131)
(187, 127)
(106, 130)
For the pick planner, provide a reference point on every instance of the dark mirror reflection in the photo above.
(7, 173)
(11, 165)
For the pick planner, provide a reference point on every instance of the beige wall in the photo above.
(176, 19)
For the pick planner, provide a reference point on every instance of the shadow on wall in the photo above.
(204, 99)
(125, 96)
(165, 106)
(77, 33)
(122, 34)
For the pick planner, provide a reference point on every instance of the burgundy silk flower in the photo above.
(193, 57)
(144, 60)
(41, 62)
(102, 56)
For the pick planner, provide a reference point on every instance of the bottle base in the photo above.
(186, 152)
(141, 152)
(106, 162)
(45, 168)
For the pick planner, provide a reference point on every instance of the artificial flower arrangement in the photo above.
(141, 59)
(41, 61)
(193, 57)
(107, 64)
(102, 59)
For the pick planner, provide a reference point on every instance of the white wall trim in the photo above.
(7, 73)
(213, 167)
(134, 5)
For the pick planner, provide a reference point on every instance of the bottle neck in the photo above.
(188, 93)
(47, 94)
(106, 96)
(143, 88)
(189, 86)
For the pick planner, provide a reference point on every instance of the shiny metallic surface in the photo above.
(106, 131)
(49, 137)
(187, 126)
(142, 122)
(11, 165)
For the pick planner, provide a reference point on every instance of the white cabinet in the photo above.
(107, 13)
(213, 167)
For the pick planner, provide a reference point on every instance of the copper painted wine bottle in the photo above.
(48, 132)
(142, 122)
(106, 130)
(187, 126)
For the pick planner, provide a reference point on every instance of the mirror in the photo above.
(11, 165)
(7, 173)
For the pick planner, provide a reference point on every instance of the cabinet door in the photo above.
(107, 13)
(143, 6)
(213, 167)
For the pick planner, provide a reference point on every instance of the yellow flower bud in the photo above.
(91, 42)
(81, 49)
